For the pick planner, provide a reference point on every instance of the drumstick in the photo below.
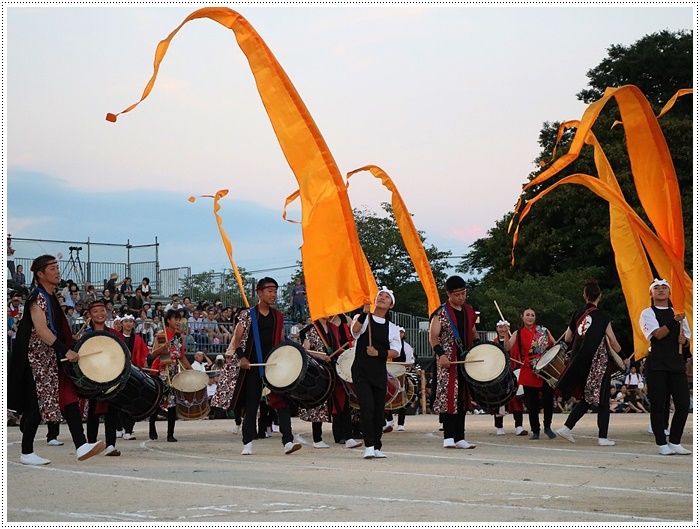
(261, 365)
(466, 361)
(80, 331)
(89, 353)
(338, 350)
(500, 313)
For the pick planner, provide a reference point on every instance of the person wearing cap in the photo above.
(376, 340)
(406, 357)
(452, 331)
(665, 367)
(218, 362)
(588, 373)
(240, 385)
(112, 286)
(145, 331)
(514, 405)
(36, 387)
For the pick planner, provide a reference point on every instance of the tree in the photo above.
(211, 285)
(565, 238)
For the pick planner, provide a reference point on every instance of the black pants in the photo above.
(660, 384)
(342, 424)
(603, 413)
(93, 424)
(453, 424)
(52, 431)
(371, 399)
(517, 415)
(532, 399)
(31, 418)
(172, 417)
(125, 422)
(250, 393)
(317, 431)
(401, 413)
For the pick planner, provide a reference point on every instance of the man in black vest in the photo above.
(665, 366)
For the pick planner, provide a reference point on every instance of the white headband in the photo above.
(659, 283)
(390, 292)
(502, 322)
(128, 317)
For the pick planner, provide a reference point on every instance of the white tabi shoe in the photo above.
(291, 447)
(378, 454)
(275, 428)
(321, 444)
(566, 434)
(401, 428)
(54, 442)
(464, 445)
(247, 449)
(33, 459)
(369, 453)
(234, 429)
(448, 443)
(129, 437)
(87, 450)
(678, 449)
(665, 450)
(351, 443)
(500, 431)
(605, 442)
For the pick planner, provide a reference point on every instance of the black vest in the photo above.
(372, 369)
(664, 352)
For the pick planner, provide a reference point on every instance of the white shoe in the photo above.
(275, 428)
(89, 449)
(464, 445)
(500, 431)
(247, 449)
(54, 442)
(390, 423)
(234, 429)
(291, 447)
(351, 443)
(129, 437)
(120, 433)
(321, 444)
(441, 428)
(566, 434)
(401, 428)
(665, 450)
(649, 430)
(378, 454)
(520, 431)
(112, 451)
(605, 442)
(666, 432)
(678, 449)
(388, 428)
(33, 459)
(369, 453)
(448, 443)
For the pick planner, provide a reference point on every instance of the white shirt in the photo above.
(632, 380)
(394, 333)
(198, 366)
(211, 390)
(649, 323)
(408, 350)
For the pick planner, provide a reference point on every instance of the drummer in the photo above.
(377, 340)
(342, 418)
(514, 405)
(452, 331)
(527, 345)
(244, 388)
(42, 340)
(170, 355)
(98, 407)
(588, 374)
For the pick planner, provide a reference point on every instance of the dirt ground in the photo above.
(203, 478)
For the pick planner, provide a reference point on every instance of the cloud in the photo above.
(467, 233)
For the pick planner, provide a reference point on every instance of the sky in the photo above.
(448, 100)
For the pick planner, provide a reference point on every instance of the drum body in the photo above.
(521, 389)
(491, 379)
(298, 376)
(343, 365)
(191, 401)
(103, 367)
(141, 396)
(553, 363)
(401, 398)
(344, 369)
(412, 386)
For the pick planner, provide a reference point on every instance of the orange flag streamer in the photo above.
(227, 242)
(410, 236)
(336, 279)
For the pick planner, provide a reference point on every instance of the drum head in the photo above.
(289, 360)
(395, 369)
(102, 356)
(493, 364)
(190, 381)
(344, 364)
(547, 357)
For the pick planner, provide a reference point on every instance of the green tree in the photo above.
(565, 238)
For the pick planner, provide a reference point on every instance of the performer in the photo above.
(514, 405)
(97, 407)
(665, 366)
(588, 374)
(527, 345)
(139, 358)
(170, 355)
(36, 387)
(258, 330)
(321, 340)
(452, 330)
(377, 339)
(405, 356)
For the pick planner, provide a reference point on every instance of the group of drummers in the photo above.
(343, 367)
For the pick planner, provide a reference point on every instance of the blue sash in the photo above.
(455, 332)
(256, 339)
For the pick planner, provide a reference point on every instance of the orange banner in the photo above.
(336, 278)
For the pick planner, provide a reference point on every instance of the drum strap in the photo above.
(455, 332)
(256, 339)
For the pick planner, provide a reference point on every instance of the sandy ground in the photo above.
(203, 478)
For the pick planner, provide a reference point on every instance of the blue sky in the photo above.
(449, 101)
